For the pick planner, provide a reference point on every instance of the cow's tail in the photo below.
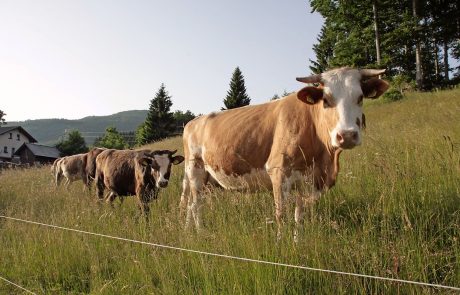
(100, 186)
(58, 174)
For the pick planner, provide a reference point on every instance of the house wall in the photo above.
(11, 143)
(27, 157)
(44, 160)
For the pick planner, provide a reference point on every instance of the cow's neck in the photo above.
(326, 157)
(323, 128)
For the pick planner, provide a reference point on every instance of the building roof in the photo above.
(4, 130)
(40, 150)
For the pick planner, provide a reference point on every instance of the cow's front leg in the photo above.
(184, 196)
(300, 204)
(143, 207)
(277, 177)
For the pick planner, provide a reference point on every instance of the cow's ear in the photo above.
(374, 87)
(145, 161)
(177, 160)
(310, 94)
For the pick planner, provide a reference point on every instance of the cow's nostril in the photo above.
(354, 136)
(339, 138)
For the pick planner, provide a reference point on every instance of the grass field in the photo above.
(395, 212)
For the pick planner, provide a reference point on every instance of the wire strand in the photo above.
(238, 258)
(16, 285)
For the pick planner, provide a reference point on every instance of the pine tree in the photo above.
(409, 38)
(324, 50)
(159, 123)
(236, 96)
(2, 118)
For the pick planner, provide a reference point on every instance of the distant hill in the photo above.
(49, 131)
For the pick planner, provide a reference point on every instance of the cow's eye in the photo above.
(360, 100)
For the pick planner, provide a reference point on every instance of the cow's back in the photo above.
(73, 166)
(227, 140)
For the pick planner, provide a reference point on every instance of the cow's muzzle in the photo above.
(163, 183)
(347, 139)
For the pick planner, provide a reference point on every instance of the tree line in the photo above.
(159, 123)
(413, 40)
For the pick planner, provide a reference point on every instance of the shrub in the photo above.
(393, 94)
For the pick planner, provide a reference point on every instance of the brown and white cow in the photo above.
(54, 167)
(277, 144)
(140, 173)
(72, 168)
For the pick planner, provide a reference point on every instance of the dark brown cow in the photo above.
(140, 173)
(281, 143)
(90, 168)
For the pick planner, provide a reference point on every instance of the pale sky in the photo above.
(72, 59)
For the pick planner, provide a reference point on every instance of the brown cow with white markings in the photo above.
(72, 168)
(139, 173)
(278, 144)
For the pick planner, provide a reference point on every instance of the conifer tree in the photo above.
(2, 118)
(414, 38)
(160, 121)
(236, 96)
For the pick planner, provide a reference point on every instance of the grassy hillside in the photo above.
(395, 212)
(49, 131)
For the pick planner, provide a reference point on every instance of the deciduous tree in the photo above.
(73, 143)
(112, 139)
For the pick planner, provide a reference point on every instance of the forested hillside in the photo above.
(49, 131)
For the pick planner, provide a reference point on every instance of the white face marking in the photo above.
(344, 86)
(165, 164)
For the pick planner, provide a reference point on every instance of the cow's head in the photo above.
(160, 163)
(340, 93)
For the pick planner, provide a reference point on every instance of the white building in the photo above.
(11, 138)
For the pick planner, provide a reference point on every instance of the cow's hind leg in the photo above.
(58, 177)
(67, 183)
(196, 175)
(100, 186)
(110, 198)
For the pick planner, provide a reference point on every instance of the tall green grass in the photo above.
(395, 212)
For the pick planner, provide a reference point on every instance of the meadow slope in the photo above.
(395, 212)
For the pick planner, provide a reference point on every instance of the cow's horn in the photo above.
(371, 72)
(173, 152)
(310, 79)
